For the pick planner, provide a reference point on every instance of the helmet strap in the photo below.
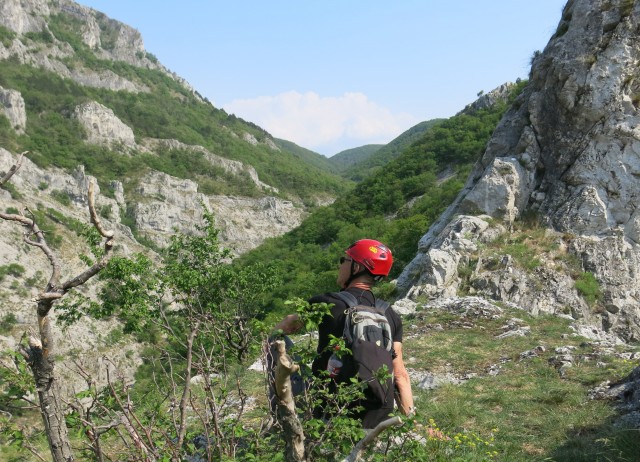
(357, 275)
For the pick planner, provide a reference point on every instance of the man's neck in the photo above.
(359, 285)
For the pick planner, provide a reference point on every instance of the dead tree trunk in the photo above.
(294, 435)
(40, 352)
(40, 358)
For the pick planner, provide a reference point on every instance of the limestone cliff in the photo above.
(568, 151)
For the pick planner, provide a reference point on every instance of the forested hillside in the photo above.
(350, 157)
(359, 168)
(397, 205)
(159, 107)
(308, 156)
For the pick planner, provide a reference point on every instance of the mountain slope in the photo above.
(564, 158)
(395, 206)
(310, 157)
(345, 159)
(359, 168)
(62, 55)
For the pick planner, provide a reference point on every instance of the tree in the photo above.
(204, 317)
(40, 351)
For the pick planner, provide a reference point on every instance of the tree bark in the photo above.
(51, 407)
(294, 435)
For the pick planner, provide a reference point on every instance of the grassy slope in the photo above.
(529, 410)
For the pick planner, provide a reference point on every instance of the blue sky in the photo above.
(331, 75)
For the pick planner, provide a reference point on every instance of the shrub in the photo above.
(106, 211)
(587, 285)
(61, 197)
(12, 269)
(8, 321)
(15, 195)
(6, 36)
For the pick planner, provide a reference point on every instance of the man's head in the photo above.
(368, 259)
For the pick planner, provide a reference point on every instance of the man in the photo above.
(366, 262)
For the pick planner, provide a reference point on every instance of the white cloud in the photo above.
(325, 124)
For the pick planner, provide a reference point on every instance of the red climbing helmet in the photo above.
(373, 255)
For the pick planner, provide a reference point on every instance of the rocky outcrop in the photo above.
(232, 167)
(102, 125)
(625, 395)
(18, 15)
(169, 205)
(490, 99)
(108, 38)
(569, 150)
(12, 106)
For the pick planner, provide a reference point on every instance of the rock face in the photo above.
(102, 126)
(12, 106)
(568, 150)
(172, 204)
(111, 39)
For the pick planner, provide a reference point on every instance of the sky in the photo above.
(338, 74)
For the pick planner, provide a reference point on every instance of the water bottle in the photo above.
(333, 366)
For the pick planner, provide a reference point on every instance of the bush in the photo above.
(61, 197)
(15, 195)
(12, 269)
(8, 321)
(587, 285)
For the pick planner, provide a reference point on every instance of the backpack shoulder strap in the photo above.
(347, 297)
(352, 301)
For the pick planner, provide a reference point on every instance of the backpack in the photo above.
(367, 333)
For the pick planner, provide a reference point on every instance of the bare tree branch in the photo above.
(108, 247)
(356, 452)
(187, 383)
(94, 216)
(13, 169)
(126, 421)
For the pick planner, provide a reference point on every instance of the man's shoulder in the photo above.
(327, 297)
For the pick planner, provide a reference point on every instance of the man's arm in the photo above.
(401, 377)
(289, 325)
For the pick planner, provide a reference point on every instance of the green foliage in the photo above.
(106, 211)
(12, 269)
(8, 321)
(6, 36)
(15, 195)
(359, 169)
(61, 197)
(355, 156)
(43, 36)
(588, 286)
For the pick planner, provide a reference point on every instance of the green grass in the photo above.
(529, 409)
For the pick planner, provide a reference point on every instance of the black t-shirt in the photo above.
(334, 325)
